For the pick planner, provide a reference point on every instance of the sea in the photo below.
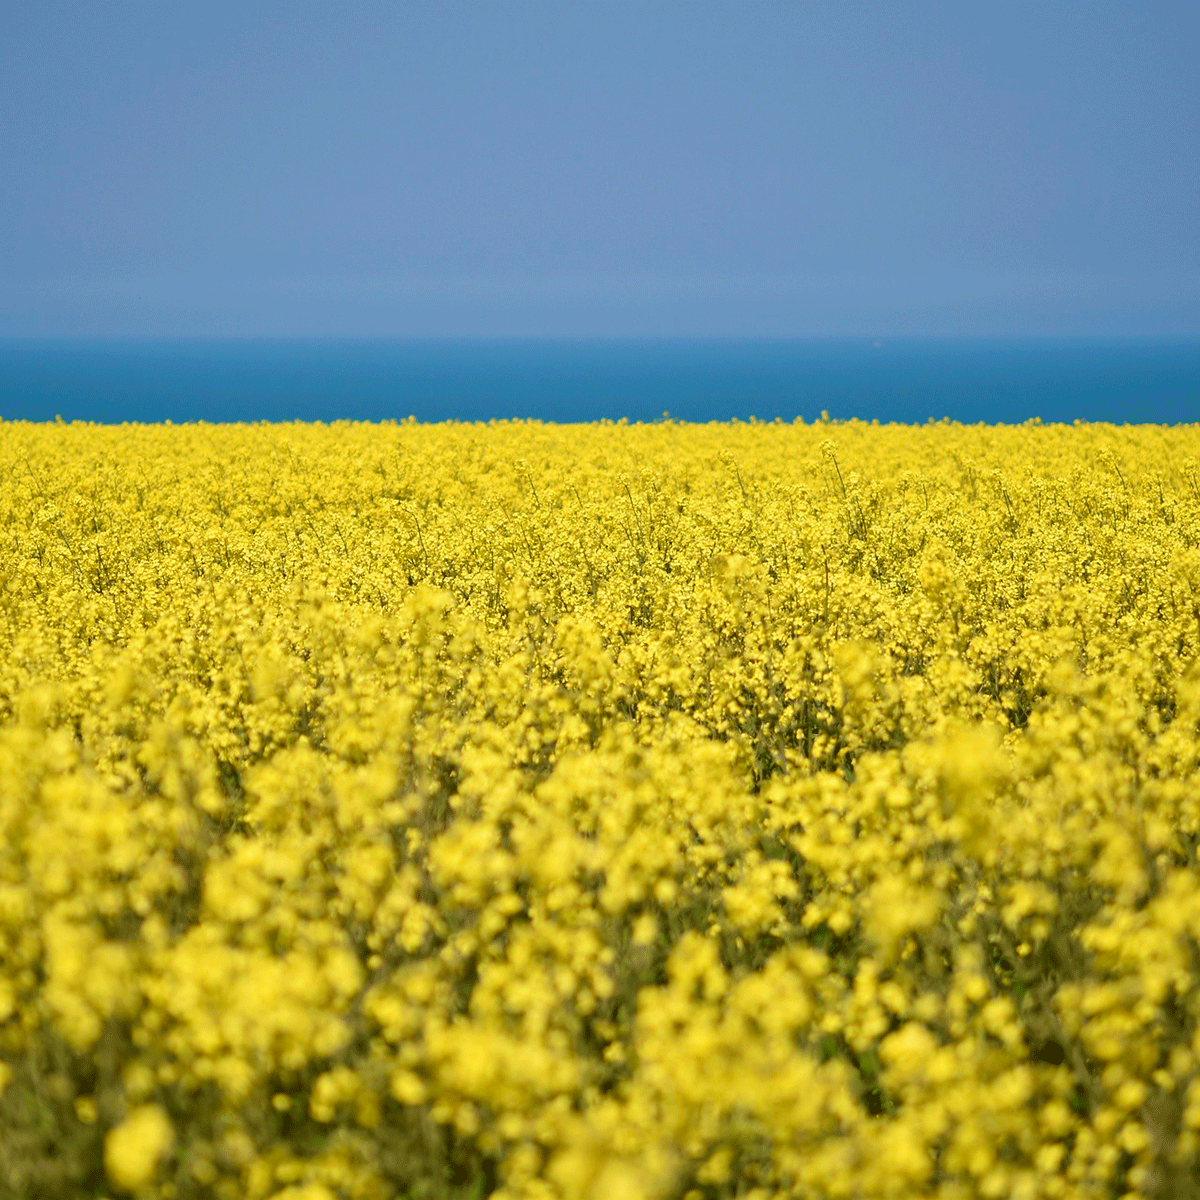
(910, 381)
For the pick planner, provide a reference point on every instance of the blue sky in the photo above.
(595, 169)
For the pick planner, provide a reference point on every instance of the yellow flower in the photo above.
(134, 1149)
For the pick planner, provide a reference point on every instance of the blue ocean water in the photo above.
(1122, 381)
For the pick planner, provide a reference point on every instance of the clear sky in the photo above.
(579, 168)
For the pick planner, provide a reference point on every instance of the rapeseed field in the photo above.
(608, 812)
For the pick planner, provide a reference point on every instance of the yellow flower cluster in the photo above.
(624, 812)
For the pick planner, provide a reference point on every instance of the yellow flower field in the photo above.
(607, 812)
